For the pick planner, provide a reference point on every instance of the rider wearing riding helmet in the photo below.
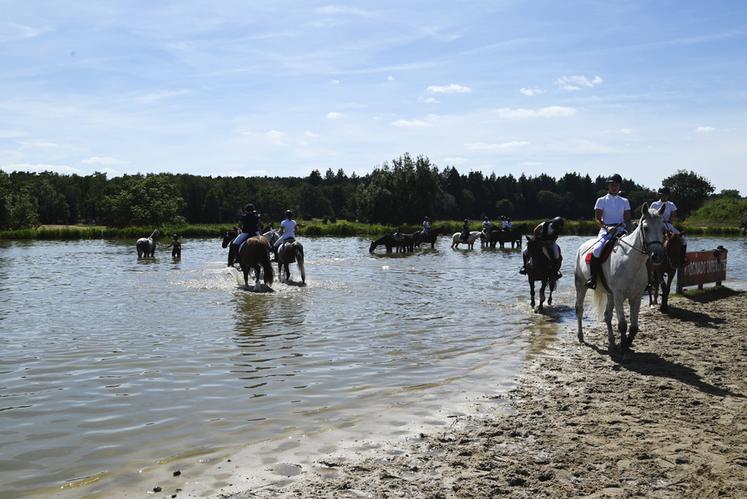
(249, 228)
(546, 233)
(669, 217)
(506, 224)
(465, 230)
(287, 231)
(612, 214)
(426, 226)
(486, 226)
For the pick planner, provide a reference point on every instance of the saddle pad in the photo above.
(606, 252)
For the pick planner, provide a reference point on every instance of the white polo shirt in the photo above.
(670, 207)
(613, 208)
(289, 228)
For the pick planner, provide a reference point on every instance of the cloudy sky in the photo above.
(280, 88)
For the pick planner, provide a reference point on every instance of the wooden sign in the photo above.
(704, 267)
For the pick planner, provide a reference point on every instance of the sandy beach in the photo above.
(671, 423)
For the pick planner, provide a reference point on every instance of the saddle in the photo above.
(606, 251)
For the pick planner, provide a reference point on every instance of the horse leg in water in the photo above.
(542, 295)
(299, 262)
(531, 291)
(552, 288)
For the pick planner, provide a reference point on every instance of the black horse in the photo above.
(254, 252)
(420, 238)
(405, 243)
(502, 236)
(540, 269)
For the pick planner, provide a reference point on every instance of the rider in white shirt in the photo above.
(612, 214)
(506, 225)
(287, 231)
(669, 216)
(486, 225)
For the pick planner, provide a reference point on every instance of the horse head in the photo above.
(372, 247)
(228, 236)
(652, 230)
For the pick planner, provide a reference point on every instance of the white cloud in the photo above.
(311, 135)
(626, 131)
(333, 115)
(577, 82)
(334, 10)
(40, 167)
(13, 31)
(390, 78)
(276, 137)
(411, 123)
(12, 134)
(335, 82)
(531, 91)
(154, 97)
(543, 112)
(705, 129)
(428, 100)
(38, 144)
(103, 161)
(503, 146)
(453, 88)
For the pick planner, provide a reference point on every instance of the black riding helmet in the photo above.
(249, 208)
(616, 178)
(288, 213)
(557, 221)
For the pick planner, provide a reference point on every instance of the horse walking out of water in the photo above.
(146, 246)
(624, 275)
(255, 252)
(541, 269)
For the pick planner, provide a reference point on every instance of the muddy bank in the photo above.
(672, 423)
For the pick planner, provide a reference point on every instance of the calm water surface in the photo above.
(114, 372)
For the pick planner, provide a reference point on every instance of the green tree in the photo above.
(151, 200)
(689, 190)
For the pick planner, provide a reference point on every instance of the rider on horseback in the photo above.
(612, 214)
(670, 216)
(426, 226)
(547, 234)
(287, 231)
(486, 226)
(249, 228)
(465, 230)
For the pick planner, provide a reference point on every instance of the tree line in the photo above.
(401, 191)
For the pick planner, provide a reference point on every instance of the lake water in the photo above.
(114, 372)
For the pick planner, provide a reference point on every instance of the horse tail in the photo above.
(599, 299)
(264, 260)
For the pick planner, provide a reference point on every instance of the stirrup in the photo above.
(523, 271)
(591, 284)
(558, 275)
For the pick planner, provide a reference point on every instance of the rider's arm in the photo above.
(673, 217)
(598, 217)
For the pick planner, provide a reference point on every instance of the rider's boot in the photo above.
(523, 269)
(591, 283)
(556, 268)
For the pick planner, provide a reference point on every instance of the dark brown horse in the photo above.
(430, 238)
(254, 252)
(404, 244)
(502, 236)
(668, 266)
(541, 269)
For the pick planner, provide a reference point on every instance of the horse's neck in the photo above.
(633, 249)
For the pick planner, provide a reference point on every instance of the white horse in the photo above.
(457, 238)
(146, 246)
(624, 275)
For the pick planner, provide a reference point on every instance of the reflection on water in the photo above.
(114, 371)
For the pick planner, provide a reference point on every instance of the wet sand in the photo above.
(671, 423)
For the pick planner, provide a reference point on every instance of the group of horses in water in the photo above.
(402, 242)
(647, 257)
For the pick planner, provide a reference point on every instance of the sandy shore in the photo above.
(672, 423)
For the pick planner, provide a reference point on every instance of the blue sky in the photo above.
(281, 88)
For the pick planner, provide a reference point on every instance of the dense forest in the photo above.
(401, 191)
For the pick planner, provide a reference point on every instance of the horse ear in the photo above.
(644, 210)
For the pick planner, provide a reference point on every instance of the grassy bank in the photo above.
(308, 228)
